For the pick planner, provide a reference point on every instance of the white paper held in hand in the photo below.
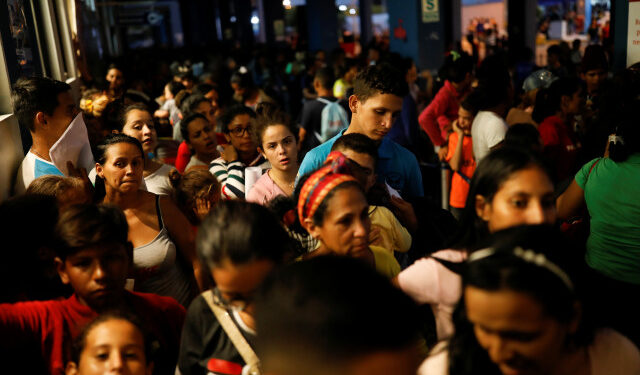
(73, 146)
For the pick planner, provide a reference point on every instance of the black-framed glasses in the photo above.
(237, 303)
(240, 131)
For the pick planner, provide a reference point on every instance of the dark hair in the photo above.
(318, 216)
(184, 124)
(175, 87)
(31, 95)
(242, 232)
(488, 178)
(54, 185)
(472, 102)
(523, 136)
(187, 187)
(506, 269)
(191, 102)
(594, 58)
(357, 142)
(86, 225)
(203, 89)
(270, 115)
(627, 134)
(231, 112)
(494, 82)
(554, 50)
(80, 342)
(125, 111)
(243, 79)
(348, 65)
(325, 77)
(379, 79)
(327, 307)
(113, 139)
(456, 67)
(548, 100)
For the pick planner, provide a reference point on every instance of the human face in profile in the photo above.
(375, 116)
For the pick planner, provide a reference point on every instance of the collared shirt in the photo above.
(32, 167)
(397, 166)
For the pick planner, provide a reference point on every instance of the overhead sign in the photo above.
(430, 11)
(633, 33)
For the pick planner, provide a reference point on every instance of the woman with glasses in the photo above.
(277, 141)
(240, 153)
(240, 243)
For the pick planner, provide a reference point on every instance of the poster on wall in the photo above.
(430, 11)
(633, 33)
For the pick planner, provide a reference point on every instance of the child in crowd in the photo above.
(112, 342)
(460, 156)
(196, 193)
(437, 117)
(241, 152)
(93, 255)
(277, 142)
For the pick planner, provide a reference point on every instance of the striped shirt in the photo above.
(231, 175)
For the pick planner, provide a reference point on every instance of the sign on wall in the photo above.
(633, 33)
(430, 11)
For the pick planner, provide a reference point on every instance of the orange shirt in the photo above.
(460, 187)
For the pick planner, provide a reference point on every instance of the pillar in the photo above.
(366, 24)
(322, 25)
(418, 30)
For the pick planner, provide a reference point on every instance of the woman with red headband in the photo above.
(332, 207)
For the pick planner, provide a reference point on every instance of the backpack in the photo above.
(333, 120)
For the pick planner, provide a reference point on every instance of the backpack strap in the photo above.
(234, 334)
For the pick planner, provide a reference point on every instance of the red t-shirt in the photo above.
(436, 119)
(559, 145)
(460, 187)
(51, 326)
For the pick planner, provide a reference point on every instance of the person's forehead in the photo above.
(241, 119)
(389, 101)
(197, 124)
(99, 251)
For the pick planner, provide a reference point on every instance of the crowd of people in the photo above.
(275, 218)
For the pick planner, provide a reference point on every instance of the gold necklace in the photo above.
(33, 151)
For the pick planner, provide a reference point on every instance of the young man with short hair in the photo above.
(375, 103)
(45, 107)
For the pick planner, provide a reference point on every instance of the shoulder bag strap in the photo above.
(233, 332)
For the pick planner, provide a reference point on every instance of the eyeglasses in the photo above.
(239, 131)
(237, 303)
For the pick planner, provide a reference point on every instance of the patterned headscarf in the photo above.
(333, 173)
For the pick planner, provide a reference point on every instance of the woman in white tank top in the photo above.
(159, 232)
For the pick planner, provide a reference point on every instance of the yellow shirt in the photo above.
(385, 263)
(394, 237)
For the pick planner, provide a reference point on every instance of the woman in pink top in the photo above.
(509, 188)
(277, 142)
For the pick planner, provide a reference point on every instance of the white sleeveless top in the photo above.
(156, 269)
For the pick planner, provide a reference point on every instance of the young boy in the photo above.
(386, 231)
(460, 157)
(376, 101)
(93, 256)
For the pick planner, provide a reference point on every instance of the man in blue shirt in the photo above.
(376, 102)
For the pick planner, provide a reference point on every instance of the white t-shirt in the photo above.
(32, 167)
(487, 130)
(609, 353)
(158, 181)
